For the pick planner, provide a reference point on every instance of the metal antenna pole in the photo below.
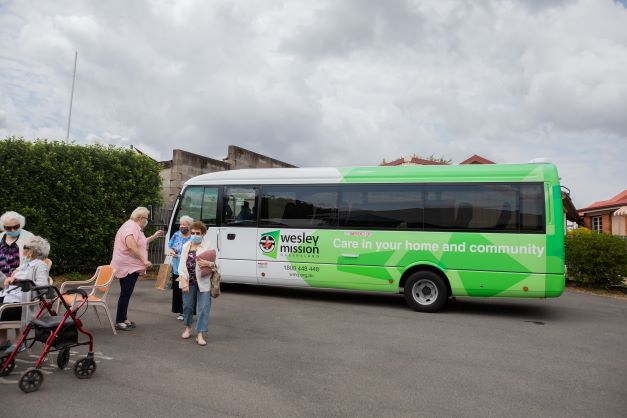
(69, 118)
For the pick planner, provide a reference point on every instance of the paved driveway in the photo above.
(288, 352)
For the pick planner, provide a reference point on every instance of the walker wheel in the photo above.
(85, 368)
(31, 380)
(10, 366)
(63, 358)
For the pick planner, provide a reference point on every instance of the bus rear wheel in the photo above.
(425, 291)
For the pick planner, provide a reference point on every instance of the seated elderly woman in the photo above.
(33, 267)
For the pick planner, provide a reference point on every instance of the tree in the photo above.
(75, 196)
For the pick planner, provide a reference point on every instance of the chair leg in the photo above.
(97, 315)
(106, 308)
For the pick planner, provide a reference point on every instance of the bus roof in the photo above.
(385, 174)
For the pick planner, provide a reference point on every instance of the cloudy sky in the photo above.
(337, 82)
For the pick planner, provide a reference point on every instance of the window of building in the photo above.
(597, 224)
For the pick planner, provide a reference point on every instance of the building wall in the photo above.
(606, 220)
(238, 158)
(185, 165)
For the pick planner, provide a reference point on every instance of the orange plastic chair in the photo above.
(97, 289)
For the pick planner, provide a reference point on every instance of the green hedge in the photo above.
(596, 260)
(75, 196)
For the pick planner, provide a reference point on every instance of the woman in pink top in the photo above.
(130, 259)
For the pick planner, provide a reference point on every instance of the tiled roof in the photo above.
(412, 160)
(618, 200)
(477, 159)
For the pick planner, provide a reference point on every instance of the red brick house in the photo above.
(607, 216)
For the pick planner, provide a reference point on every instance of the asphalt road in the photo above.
(288, 352)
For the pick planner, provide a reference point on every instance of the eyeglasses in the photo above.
(196, 233)
(11, 228)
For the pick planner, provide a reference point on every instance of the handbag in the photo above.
(164, 273)
(215, 282)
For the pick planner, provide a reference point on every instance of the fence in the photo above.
(160, 219)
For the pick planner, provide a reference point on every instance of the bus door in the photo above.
(200, 203)
(237, 241)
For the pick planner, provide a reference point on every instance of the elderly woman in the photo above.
(130, 259)
(196, 288)
(33, 268)
(179, 238)
(12, 241)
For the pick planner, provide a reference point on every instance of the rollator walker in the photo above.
(58, 333)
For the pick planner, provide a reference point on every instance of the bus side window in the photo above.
(464, 215)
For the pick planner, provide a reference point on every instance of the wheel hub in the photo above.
(425, 292)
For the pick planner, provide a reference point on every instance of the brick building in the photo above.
(607, 216)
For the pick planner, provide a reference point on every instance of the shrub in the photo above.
(75, 196)
(596, 260)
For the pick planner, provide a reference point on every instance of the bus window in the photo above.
(531, 208)
(198, 202)
(239, 207)
(191, 203)
(389, 206)
(299, 206)
(210, 206)
(484, 207)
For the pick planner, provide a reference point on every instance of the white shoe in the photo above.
(200, 340)
(186, 333)
(180, 317)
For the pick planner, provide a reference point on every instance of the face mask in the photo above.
(145, 223)
(196, 239)
(25, 260)
(13, 233)
(184, 230)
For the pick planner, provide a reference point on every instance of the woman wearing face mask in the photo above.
(179, 238)
(130, 259)
(196, 288)
(33, 268)
(12, 241)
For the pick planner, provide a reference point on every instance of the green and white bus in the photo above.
(429, 232)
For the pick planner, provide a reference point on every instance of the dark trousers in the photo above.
(127, 285)
(177, 296)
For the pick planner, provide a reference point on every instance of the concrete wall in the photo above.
(238, 158)
(185, 165)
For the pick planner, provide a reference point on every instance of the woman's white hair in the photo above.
(39, 246)
(7, 216)
(187, 219)
(138, 212)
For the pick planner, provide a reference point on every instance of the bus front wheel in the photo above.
(425, 291)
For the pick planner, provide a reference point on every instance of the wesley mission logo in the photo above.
(268, 243)
(273, 243)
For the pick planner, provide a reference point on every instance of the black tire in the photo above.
(31, 380)
(7, 370)
(63, 358)
(85, 368)
(425, 291)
